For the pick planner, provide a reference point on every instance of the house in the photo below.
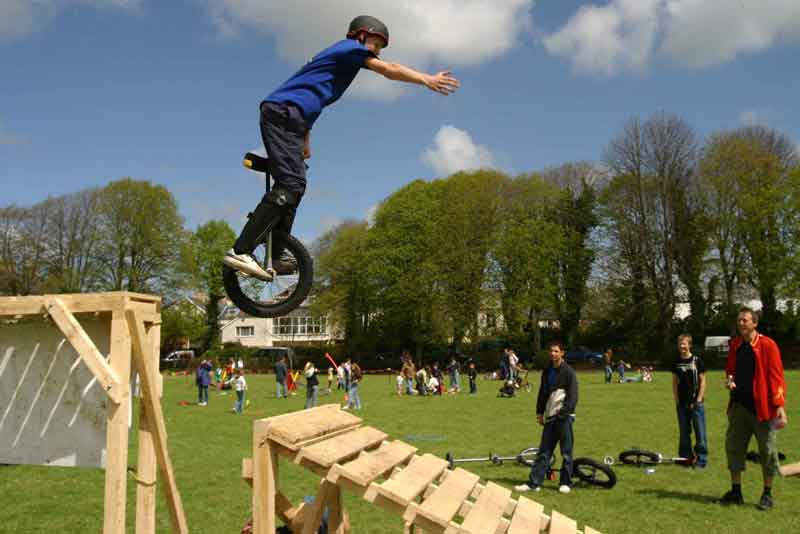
(299, 327)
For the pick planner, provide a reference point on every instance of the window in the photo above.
(245, 331)
(299, 325)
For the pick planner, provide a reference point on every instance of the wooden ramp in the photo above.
(417, 487)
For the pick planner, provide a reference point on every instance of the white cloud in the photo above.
(610, 38)
(454, 150)
(19, 18)
(424, 34)
(627, 35)
(699, 33)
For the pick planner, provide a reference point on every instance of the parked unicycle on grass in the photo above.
(586, 470)
(283, 290)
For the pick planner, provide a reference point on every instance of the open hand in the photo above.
(443, 83)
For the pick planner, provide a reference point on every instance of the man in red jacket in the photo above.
(755, 379)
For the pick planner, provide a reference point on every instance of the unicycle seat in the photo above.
(255, 162)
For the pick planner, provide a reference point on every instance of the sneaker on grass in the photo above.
(522, 488)
(765, 503)
(247, 264)
(564, 489)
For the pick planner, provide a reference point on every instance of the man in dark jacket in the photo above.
(555, 409)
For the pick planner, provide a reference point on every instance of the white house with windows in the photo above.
(300, 326)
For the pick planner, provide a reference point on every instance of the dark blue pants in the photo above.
(688, 420)
(557, 431)
(283, 131)
(202, 393)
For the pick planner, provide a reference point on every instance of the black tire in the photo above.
(637, 457)
(276, 298)
(594, 472)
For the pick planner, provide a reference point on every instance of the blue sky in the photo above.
(94, 90)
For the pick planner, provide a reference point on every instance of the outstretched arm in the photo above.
(443, 82)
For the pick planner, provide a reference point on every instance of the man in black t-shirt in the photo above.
(688, 391)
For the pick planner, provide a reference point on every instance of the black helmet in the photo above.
(369, 25)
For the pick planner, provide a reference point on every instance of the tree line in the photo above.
(606, 251)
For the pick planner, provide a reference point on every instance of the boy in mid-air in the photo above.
(287, 116)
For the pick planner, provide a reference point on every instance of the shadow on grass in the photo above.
(680, 495)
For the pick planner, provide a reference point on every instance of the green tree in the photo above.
(525, 253)
(465, 220)
(142, 236)
(344, 290)
(208, 245)
(402, 269)
(576, 213)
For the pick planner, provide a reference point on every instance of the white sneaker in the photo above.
(524, 487)
(564, 489)
(246, 264)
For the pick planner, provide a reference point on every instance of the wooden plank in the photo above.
(487, 512)
(340, 448)
(397, 493)
(85, 347)
(590, 530)
(443, 504)
(561, 524)
(148, 373)
(370, 465)
(527, 517)
(313, 514)
(790, 470)
(147, 465)
(265, 479)
(116, 478)
(300, 429)
(75, 302)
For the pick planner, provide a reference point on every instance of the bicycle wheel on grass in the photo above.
(638, 457)
(594, 473)
(281, 295)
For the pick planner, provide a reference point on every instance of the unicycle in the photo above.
(283, 293)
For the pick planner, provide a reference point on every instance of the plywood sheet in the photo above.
(52, 410)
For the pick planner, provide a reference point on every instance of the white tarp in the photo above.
(52, 410)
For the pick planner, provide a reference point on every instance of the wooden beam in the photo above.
(116, 479)
(76, 302)
(147, 464)
(142, 353)
(265, 479)
(86, 348)
(790, 470)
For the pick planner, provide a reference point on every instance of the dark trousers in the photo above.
(283, 131)
(557, 431)
(473, 388)
(202, 393)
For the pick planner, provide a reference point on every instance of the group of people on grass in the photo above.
(349, 376)
(429, 379)
(229, 377)
(757, 388)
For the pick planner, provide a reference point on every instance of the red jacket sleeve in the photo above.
(730, 365)
(775, 379)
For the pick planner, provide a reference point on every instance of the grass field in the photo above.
(208, 444)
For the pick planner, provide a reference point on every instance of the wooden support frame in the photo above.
(134, 337)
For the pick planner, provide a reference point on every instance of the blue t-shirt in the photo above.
(323, 80)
